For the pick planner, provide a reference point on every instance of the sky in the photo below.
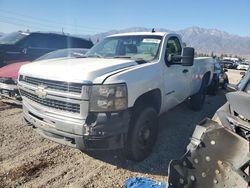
(96, 16)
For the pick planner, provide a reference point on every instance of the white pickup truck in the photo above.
(112, 98)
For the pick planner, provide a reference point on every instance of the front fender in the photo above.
(139, 80)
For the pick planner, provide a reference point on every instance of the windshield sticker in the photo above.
(157, 41)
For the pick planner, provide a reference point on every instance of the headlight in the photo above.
(108, 98)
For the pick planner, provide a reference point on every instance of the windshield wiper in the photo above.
(140, 60)
(127, 57)
(95, 55)
(79, 56)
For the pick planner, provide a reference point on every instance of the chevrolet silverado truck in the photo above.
(112, 97)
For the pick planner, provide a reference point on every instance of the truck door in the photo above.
(176, 77)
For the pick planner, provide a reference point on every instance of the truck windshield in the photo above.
(136, 47)
(12, 38)
(64, 53)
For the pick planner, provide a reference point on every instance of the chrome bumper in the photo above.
(105, 133)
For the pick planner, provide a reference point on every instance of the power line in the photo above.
(38, 25)
(51, 21)
(14, 23)
(32, 23)
(46, 25)
(23, 25)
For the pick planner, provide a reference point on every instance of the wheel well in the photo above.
(152, 98)
(206, 77)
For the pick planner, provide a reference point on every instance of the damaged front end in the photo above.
(9, 91)
(217, 156)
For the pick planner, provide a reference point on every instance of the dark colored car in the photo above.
(228, 64)
(23, 46)
(220, 79)
(9, 73)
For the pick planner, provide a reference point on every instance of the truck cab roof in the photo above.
(140, 33)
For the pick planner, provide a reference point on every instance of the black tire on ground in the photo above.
(142, 133)
(197, 100)
(214, 87)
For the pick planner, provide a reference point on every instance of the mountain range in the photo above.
(203, 40)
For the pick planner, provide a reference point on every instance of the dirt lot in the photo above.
(28, 160)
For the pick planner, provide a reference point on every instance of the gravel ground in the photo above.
(28, 160)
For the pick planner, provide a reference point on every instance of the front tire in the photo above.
(142, 134)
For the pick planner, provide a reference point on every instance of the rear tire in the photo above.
(197, 100)
(214, 87)
(142, 134)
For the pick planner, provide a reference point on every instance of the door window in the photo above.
(36, 41)
(173, 48)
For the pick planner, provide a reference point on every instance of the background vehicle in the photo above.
(220, 79)
(9, 73)
(243, 66)
(23, 46)
(112, 97)
(228, 64)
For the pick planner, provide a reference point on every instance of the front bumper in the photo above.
(104, 133)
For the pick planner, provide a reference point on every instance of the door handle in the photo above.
(185, 71)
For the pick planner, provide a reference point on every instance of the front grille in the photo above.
(54, 85)
(60, 105)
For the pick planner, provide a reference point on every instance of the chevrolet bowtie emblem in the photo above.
(40, 91)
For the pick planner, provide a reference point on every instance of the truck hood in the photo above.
(75, 70)
(11, 70)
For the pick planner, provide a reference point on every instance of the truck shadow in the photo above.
(176, 127)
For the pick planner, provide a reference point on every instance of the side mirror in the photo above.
(187, 56)
(225, 70)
